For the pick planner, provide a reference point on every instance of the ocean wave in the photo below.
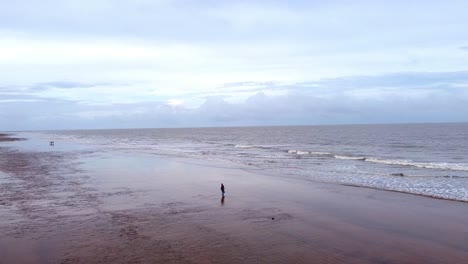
(399, 174)
(396, 162)
(349, 157)
(313, 153)
(425, 165)
(251, 146)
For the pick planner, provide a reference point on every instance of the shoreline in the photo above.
(102, 207)
(452, 188)
(205, 163)
(402, 192)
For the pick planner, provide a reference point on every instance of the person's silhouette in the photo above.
(222, 189)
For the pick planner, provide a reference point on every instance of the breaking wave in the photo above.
(396, 162)
(349, 157)
(313, 153)
(426, 165)
(252, 146)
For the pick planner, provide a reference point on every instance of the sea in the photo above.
(422, 159)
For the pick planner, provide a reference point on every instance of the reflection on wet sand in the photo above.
(222, 200)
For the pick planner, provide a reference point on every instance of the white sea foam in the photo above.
(319, 153)
(349, 157)
(251, 146)
(426, 165)
(244, 146)
(313, 153)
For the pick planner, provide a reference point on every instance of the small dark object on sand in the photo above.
(272, 218)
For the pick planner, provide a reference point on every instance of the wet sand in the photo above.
(116, 207)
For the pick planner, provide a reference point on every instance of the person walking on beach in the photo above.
(222, 189)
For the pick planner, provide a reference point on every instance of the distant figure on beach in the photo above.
(52, 143)
(222, 189)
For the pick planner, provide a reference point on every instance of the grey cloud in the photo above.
(300, 109)
(418, 101)
(9, 89)
(29, 91)
(398, 80)
(291, 109)
(64, 85)
(15, 101)
(37, 113)
(260, 109)
(15, 96)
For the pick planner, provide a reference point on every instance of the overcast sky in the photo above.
(67, 64)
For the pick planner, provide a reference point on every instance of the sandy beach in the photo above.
(117, 207)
